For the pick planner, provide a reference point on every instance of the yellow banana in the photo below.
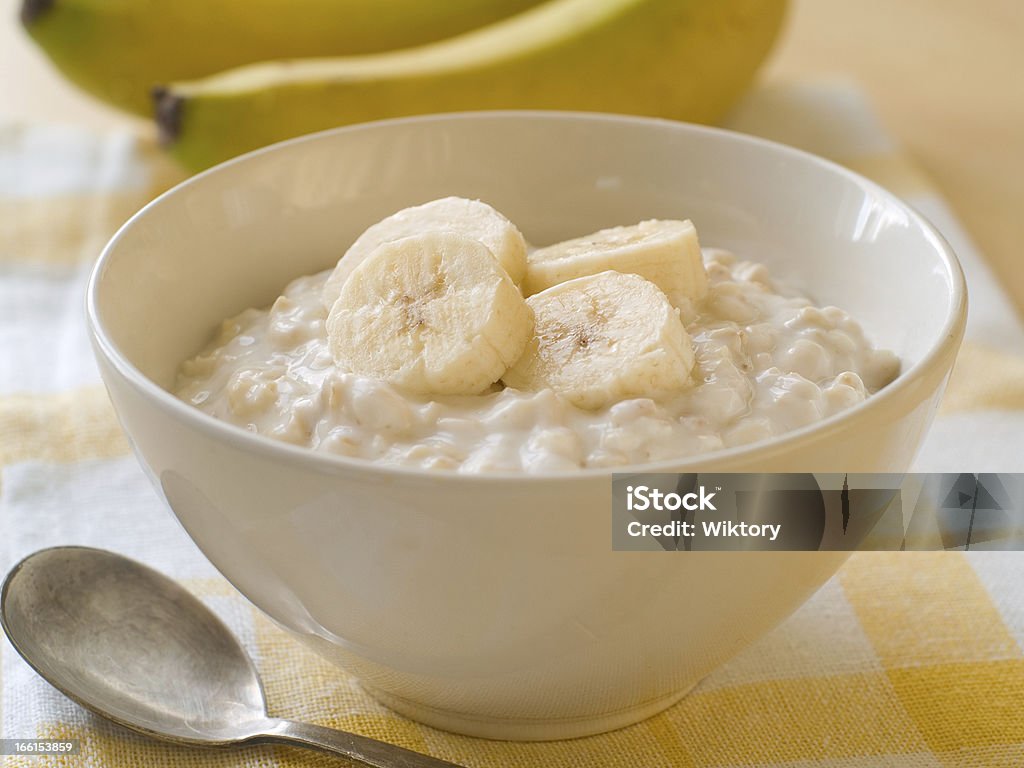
(683, 59)
(119, 49)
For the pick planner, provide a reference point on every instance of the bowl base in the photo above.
(524, 729)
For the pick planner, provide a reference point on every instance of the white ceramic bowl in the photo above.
(493, 605)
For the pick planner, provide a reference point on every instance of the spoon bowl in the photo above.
(133, 646)
(127, 642)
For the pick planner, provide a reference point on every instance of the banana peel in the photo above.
(680, 59)
(117, 50)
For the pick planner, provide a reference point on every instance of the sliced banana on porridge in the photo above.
(433, 314)
(629, 350)
(603, 338)
(666, 252)
(471, 218)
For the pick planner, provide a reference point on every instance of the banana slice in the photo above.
(666, 252)
(603, 338)
(434, 314)
(471, 218)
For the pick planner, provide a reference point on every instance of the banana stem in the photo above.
(167, 109)
(33, 9)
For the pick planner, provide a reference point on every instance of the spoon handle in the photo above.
(362, 749)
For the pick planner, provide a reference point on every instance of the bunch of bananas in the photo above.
(225, 76)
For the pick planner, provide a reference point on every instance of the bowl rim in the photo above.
(329, 463)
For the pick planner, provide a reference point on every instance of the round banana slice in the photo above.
(666, 252)
(434, 314)
(471, 218)
(604, 338)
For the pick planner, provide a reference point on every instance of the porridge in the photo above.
(631, 346)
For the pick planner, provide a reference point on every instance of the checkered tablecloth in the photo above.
(903, 659)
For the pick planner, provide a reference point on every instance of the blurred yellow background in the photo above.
(944, 76)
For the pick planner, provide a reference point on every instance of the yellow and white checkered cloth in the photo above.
(904, 659)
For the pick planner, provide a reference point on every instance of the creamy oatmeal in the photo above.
(764, 361)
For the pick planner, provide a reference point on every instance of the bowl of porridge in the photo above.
(382, 376)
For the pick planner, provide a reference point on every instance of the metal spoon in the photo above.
(133, 646)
